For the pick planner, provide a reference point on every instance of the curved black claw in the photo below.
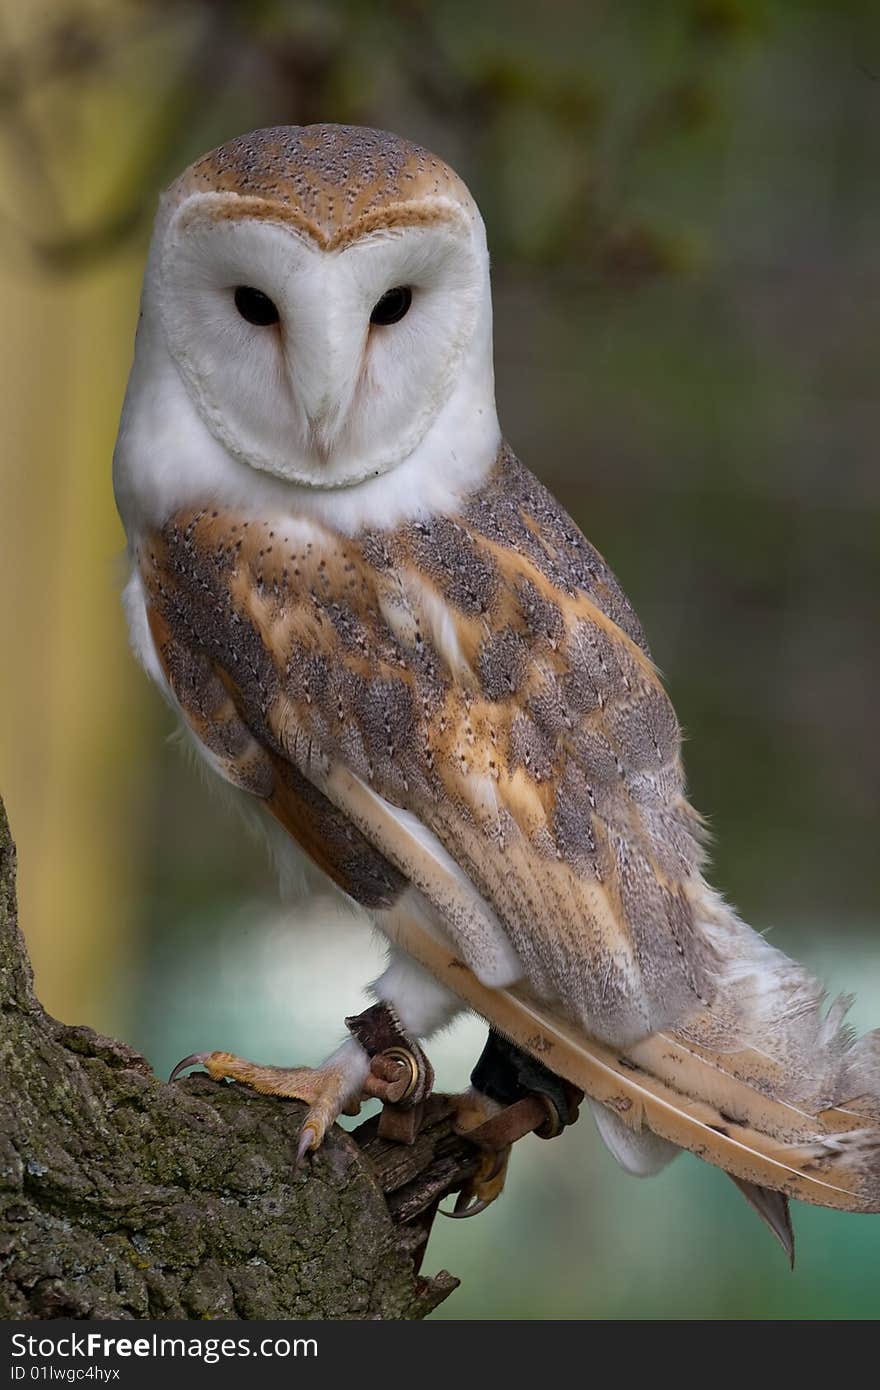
(464, 1207)
(196, 1059)
(308, 1139)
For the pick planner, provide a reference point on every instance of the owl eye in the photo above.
(392, 306)
(255, 306)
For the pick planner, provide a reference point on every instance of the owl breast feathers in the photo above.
(483, 676)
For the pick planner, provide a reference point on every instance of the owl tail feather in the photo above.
(644, 1153)
(761, 1083)
(773, 1209)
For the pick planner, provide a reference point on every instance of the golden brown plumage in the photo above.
(492, 691)
(484, 674)
(334, 183)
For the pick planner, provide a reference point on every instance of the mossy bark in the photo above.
(124, 1197)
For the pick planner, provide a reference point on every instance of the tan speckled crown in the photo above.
(335, 182)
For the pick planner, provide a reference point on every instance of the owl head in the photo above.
(316, 311)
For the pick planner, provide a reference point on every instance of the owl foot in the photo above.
(472, 1111)
(511, 1095)
(327, 1090)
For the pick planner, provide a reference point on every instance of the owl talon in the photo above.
(485, 1187)
(472, 1112)
(196, 1059)
(465, 1207)
(328, 1090)
(216, 1064)
(308, 1139)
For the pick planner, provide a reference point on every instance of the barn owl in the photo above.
(376, 623)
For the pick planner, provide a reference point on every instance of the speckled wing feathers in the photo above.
(327, 834)
(485, 673)
(467, 704)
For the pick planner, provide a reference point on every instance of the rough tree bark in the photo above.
(124, 1197)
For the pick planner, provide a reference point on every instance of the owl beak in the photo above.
(324, 427)
(324, 363)
(326, 398)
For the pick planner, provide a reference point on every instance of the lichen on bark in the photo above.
(124, 1197)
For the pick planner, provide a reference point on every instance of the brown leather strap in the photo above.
(400, 1073)
(376, 1029)
(513, 1122)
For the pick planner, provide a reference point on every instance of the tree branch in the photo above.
(124, 1197)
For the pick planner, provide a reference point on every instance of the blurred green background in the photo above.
(682, 202)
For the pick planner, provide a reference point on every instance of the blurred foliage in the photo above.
(682, 207)
(497, 95)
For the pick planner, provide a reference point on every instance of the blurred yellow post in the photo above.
(66, 689)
